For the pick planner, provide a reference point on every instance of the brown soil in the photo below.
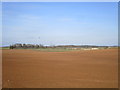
(73, 69)
(0, 69)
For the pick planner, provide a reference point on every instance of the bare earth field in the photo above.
(0, 69)
(72, 69)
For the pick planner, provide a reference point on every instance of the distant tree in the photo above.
(37, 46)
(11, 47)
(24, 46)
(41, 46)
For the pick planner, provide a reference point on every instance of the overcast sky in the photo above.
(51, 23)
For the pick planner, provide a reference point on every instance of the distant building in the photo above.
(94, 48)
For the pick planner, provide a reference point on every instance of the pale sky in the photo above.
(50, 23)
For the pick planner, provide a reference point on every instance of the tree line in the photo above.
(25, 46)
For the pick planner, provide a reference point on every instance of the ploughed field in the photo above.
(71, 69)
